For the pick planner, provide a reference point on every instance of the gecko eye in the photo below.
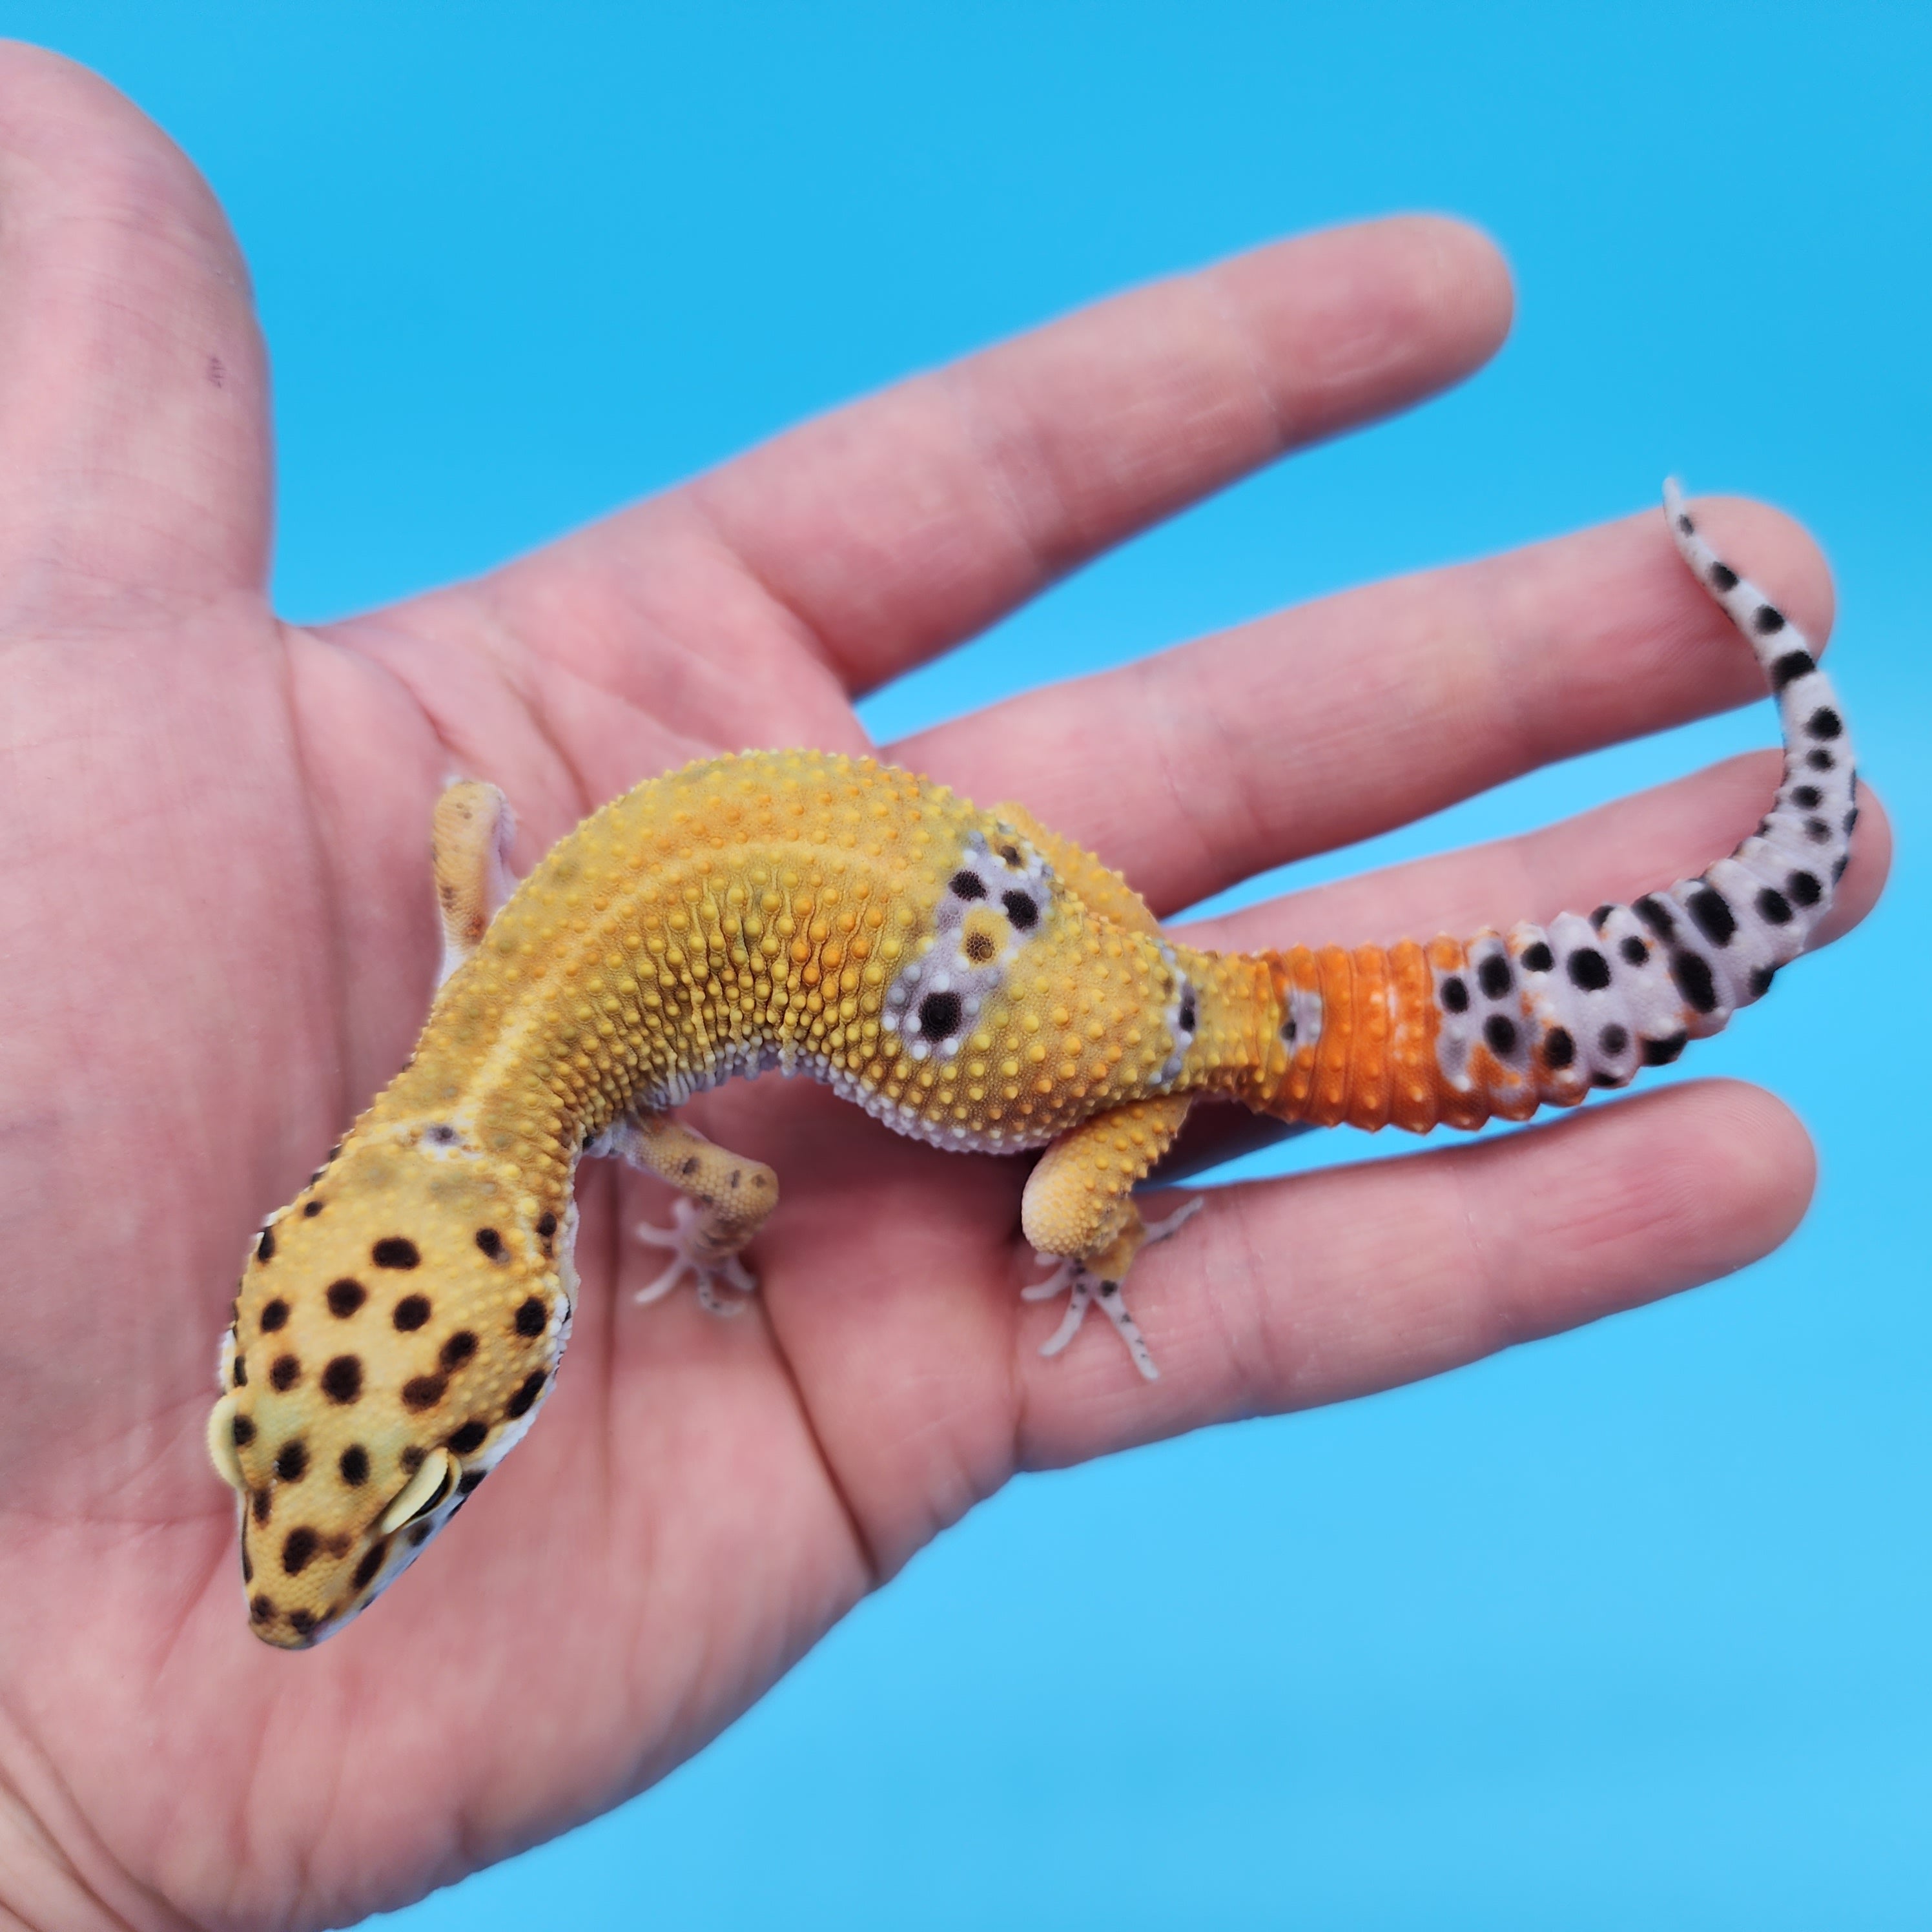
(426, 1488)
(221, 1443)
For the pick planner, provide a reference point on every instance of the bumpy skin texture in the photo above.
(964, 975)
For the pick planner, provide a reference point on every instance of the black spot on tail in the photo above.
(1790, 668)
(1691, 974)
(1724, 578)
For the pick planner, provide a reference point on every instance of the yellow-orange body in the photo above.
(965, 975)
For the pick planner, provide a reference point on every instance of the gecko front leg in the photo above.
(1079, 1212)
(469, 841)
(723, 1200)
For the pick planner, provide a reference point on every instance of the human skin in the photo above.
(218, 943)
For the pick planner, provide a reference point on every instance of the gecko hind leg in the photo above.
(723, 1200)
(1080, 1214)
(1085, 1284)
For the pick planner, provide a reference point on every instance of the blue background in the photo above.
(1627, 1628)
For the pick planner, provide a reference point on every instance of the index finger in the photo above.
(894, 528)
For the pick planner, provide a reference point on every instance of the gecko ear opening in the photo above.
(425, 1489)
(221, 1443)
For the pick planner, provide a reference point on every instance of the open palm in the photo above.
(219, 942)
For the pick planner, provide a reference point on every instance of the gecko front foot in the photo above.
(690, 1255)
(1083, 1287)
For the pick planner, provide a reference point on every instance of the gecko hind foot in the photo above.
(1084, 1288)
(708, 1270)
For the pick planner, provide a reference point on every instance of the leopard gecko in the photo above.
(967, 977)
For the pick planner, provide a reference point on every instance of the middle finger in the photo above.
(1317, 727)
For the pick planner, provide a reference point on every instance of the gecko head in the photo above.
(397, 1326)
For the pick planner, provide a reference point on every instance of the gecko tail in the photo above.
(1456, 1032)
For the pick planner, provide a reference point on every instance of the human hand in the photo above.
(221, 942)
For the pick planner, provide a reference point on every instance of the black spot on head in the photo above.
(490, 1242)
(342, 1380)
(299, 1550)
(265, 1245)
(519, 1404)
(546, 1225)
(1537, 957)
(1499, 1031)
(1820, 761)
(1494, 976)
(1655, 914)
(244, 1431)
(1455, 994)
(425, 1391)
(939, 1016)
(274, 1315)
(1818, 831)
(469, 1437)
(1790, 668)
(1011, 854)
(1634, 950)
(1824, 723)
(395, 1251)
(533, 1317)
(473, 1480)
(1613, 1041)
(1712, 912)
(412, 1459)
(421, 1534)
(1187, 1013)
(1759, 981)
(345, 1297)
(260, 1505)
(1589, 969)
(311, 1209)
(291, 1460)
(979, 947)
(301, 1621)
(965, 885)
(286, 1372)
(1724, 578)
(1773, 907)
(355, 1465)
(1662, 1052)
(1558, 1048)
(457, 1349)
(411, 1312)
(1768, 620)
(241, 1369)
(1691, 973)
(263, 1609)
(1021, 909)
(443, 1133)
(1288, 1029)
(365, 1571)
(1804, 887)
